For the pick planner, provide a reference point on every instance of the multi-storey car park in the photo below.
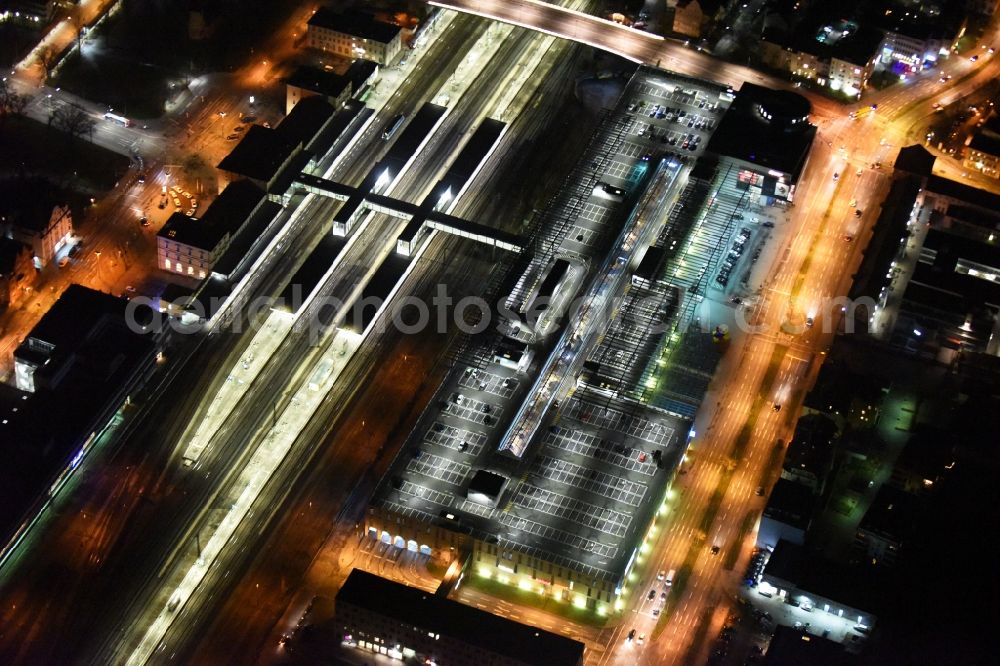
(549, 448)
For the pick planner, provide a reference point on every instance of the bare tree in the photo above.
(47, 58)
(17, 103)
(72, 119)
(11, 103)
(193, 162)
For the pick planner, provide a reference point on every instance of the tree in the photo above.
(11, 103)
(47, 58)
(72, 119)
(193, 162)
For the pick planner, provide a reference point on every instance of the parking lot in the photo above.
(672, 117)
(599, 463)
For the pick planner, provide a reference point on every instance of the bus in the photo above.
(863, 111)
(121, 120)
(391, 128)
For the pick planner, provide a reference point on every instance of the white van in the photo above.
(670, 577)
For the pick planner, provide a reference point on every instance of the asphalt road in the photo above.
(172, 504)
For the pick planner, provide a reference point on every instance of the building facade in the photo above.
(766, 136)
(935, 278)
(983, 150)
(381, 616)
(776, 53)
(82, 323)
(335, 88)
(45, 233)
(689, 18)
(353, 34)
(841, 56)
(310, 81)
(38, 12)
(508, 566)
(16, 272)
(986, 161)
(186, 253)
(918, 35)
(190, 246)
(850, 77)
(787, 514)
(797, 577)
(911, 52)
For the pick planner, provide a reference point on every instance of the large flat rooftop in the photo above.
(355, 23)
(586, 487)
(492, 633)
(768, 128)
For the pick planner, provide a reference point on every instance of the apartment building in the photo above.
(353, 34)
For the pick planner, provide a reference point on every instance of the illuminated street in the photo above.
(595, 463)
